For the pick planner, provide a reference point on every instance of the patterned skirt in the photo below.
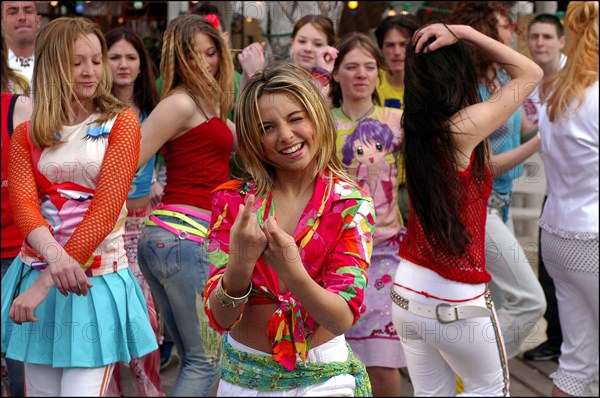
(373, 338)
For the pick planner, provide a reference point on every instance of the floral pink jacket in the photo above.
(335, 239)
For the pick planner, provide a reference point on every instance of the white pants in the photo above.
(46, 381)
(436, 353)
(573, 266)
(518, 295)
(334, 350)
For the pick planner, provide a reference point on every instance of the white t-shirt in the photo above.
(532, 103)
(570, 155)
(23, 65)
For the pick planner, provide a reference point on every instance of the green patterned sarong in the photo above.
(264, 373)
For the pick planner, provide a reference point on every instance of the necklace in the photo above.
(25, 61)
(360, 118)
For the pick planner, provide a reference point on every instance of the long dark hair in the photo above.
(438, 84)
(145, 94)
(483, 17)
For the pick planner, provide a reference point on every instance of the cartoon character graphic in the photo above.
(371, 156)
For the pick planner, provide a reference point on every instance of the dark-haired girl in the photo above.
(444, 313)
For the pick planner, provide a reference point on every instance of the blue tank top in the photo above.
(142, 182)
(505, 138)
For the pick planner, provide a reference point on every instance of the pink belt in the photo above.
(192, 231)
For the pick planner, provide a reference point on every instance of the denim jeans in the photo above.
(176, 271)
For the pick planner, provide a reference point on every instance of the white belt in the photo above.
(443, 312)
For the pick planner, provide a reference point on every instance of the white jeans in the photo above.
(334, 350)
(436, 353)
(518, 296)
(46, 381)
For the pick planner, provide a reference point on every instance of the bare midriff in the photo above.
(252, 328)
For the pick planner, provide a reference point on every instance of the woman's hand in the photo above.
(67, 274)
(281, 252)
(23, 307)
(156, 193)
(444, 35)
(326, 57)
(252, 58)
(247, 238)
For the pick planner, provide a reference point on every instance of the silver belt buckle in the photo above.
(444, 305)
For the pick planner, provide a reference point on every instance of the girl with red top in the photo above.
(190, 124)
(443, 310)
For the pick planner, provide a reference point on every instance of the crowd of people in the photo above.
(301, 227)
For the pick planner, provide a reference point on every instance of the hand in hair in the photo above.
(441, 33)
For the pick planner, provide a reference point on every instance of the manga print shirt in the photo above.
(334, 239)
(369, 148)
(78, 189)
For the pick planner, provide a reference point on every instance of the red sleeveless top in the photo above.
(11, 237)
(197, 162)
(469, 267)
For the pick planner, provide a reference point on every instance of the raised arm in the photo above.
(478, 121)
(252, 59)
(233, 252)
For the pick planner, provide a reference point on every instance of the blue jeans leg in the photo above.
(15, 369)
(177, 270)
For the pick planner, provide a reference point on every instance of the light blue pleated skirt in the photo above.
(109, 325)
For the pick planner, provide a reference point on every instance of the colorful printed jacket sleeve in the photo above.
(217, 243)
(345, 268)
(335, 246)
(116, 174)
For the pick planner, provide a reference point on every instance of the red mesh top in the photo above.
(197, 162)
(30, 186)
(470, 267)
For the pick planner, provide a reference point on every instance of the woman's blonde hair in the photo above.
(53, 79)
(182, 68)
(11, 81)
(581, 69)
(295, 83)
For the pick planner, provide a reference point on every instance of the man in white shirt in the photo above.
(20, 25)
(545, 40)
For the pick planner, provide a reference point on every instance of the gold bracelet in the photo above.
(228, 301)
